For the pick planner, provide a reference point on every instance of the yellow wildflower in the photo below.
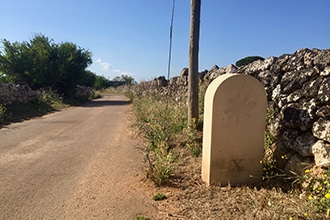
(282, 157)
(325, 182)
(310, 197)
(307, 171)
(290, 218)
(260, 161)
(327, 196)
(305, 214)
(324, 175)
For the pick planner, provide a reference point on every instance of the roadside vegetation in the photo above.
(172, 148)
(161, 122)
(56, 71)
(41, 63)
(46, 101)
(173, 157)
(247, 60)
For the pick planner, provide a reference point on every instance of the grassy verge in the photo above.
(162, 122)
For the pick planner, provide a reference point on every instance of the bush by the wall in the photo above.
(247, 60)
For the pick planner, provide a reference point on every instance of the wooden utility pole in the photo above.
(195, 9)
(170, 49)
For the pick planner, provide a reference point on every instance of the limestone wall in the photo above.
(84, 91)
(177, 87)
(11, 92)
(298, 90)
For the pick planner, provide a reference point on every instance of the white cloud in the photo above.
(107, 70)
(105, 66)
(117, 71)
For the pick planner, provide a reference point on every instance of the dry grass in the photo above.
(189, 198)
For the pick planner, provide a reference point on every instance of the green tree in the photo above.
(42, 63)
(40, 66)
(5, 78)
(246, 60)
(125, 78)
(101, 82)
(89, 78)
(71, 63)
(13, 61)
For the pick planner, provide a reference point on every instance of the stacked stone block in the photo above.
(10, 93)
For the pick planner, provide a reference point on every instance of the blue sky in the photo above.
(132, 36)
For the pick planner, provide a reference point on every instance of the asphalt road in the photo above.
(79, 163)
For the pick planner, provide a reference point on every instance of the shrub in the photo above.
(248, 60)
(159, 197)
(49, 96)
(318, 185)
(160, 165)
(192, 140)
(2, 113)
(160, 121)
(130, 95)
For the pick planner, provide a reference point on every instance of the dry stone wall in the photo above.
(84, 91)
(177, 87)
(11, 92)
(298, 90)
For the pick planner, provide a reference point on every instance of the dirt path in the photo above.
(80, 163)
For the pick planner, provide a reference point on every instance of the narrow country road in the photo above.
(79, 163)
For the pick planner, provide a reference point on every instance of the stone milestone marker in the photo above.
(234, 125)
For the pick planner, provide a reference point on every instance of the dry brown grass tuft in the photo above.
(191, 199)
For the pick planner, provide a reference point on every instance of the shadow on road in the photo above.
(100, 103)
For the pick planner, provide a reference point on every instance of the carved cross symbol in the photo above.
(239, 107)
(237, 165)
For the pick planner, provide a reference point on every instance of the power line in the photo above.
(171, 36)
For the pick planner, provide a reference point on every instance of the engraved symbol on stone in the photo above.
(239, 107)
(237, 165)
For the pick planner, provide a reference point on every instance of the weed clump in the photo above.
(192, 139)
(160, 121)
(163, 123)
(159, 197)
(140, 217)
(317, 183)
